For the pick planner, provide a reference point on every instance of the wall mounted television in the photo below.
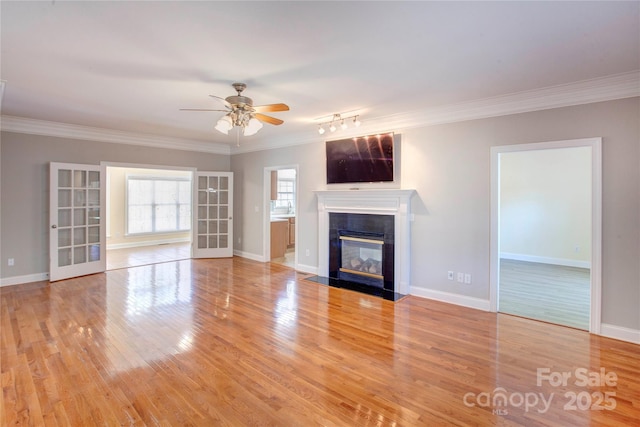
(365, 159)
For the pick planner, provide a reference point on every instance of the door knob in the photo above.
(54, 226)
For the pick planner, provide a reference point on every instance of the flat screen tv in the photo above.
(362, 159)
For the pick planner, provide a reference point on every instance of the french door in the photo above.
(213, 215)
(77, 231)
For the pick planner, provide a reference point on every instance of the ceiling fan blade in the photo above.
(271, 107)
(268, 119)
(201, 109)
(224, 101)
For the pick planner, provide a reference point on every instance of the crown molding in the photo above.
(86, 133)
(609, 88)
(602, 89)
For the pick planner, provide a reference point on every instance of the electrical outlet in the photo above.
(239, 240)
(11, 262)
(307, 252)
(450, 275)
(460, 277)
(467, 279)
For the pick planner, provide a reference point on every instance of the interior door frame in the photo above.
(595, 315)
(266, 207)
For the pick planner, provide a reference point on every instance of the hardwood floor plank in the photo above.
(234, 342)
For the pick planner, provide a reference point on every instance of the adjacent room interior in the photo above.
(545, 235)
(148, 216)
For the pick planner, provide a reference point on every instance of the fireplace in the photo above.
(375, 249)
(361, 249)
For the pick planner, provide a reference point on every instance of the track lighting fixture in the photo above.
(337, 118)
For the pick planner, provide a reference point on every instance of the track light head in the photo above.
(335, 119)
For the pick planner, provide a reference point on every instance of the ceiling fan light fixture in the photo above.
(241, 113)
(224, 125)
(252, 127)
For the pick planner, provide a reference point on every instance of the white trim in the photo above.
(546, 260)
(249, 255)
(376, 202)
(608, 88)
(620, 333)
(29, 278)
(127, 245)
(310, 269)
(457, 299)
(596, 219)
(86, 133)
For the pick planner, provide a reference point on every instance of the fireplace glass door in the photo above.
(362, 256)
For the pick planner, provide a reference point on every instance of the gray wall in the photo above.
(24, 197)
(449, 166)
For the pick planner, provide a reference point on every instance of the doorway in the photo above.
(149, 215)
(281, 195)
(545, 235)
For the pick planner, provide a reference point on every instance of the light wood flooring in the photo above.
(234, 342)
(145, 255)
(551, 293)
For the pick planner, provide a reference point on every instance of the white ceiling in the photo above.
(130, 66)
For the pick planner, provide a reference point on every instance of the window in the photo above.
(286, 194)
(158, 205)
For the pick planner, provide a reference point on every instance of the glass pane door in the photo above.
(213, 215)
(76, 225)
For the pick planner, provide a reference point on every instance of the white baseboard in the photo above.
(620, 333)
(146, 243)
(457, 299)
(546, 260)
(307, 269)
(29, 278)
(249, 255)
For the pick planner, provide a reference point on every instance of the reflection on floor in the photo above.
(289, 258)
(144, 255)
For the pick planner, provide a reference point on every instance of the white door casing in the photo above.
(596, 219)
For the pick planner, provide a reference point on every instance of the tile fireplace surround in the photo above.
(394, 202)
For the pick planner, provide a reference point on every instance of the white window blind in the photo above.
(158, 205)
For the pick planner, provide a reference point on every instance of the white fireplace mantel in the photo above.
(394, 202)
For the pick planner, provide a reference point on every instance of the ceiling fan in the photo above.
(242, 113)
